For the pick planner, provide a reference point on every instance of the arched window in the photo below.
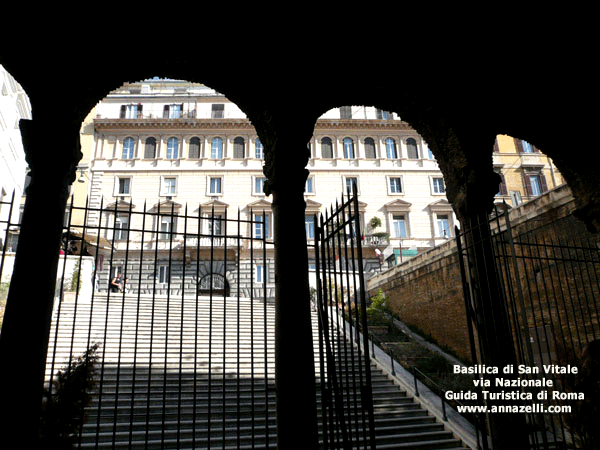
(216, 151)
(370, 152)
(239, 148)
(259, 149)
(348, 148)
(194, 151)
(390, 148)
(128, 148)
(326, 148)
(215, 283)
(150, 148)
(411, 149)
(173, 148)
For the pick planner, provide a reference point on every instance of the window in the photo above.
(516, 198)
(524, 146)
(172, 111)
(123, 186)
(168, 186)
(128, 148)
(166, 226)
(259, 149)
(309, 224)
(346, 112)
(173, 148)
(262, 230)
(309, 187)
(131, 111)
(443, 225)
(348, 148)
(121, 226)
(502, 186)
(261, 273)
(411, 149)
(438, 186)
(215, 225)
(150, 148)
(239, 148)
(218, 111)
(383, 115)
(395, 185)
(259, 185)
(349, 181)
(215, 185)
(390, 148)
(164, 274)
(194, 149)
(216, 148)
(399, 226)
(370, 152)
(326, 148)
(535, 184)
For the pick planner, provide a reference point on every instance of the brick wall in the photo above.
(427, 292)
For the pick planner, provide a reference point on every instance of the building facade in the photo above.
(190, 158)
(525, 171)
(14, 106)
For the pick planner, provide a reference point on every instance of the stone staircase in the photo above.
(173, 376)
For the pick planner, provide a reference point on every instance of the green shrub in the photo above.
(63, 408)
(378, 312)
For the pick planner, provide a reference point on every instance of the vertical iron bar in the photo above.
(265, 334)
(196, 313)
(181, 323)
(238, 312)
(471, 318)
(223, 225)
(137, 318)
(253, 230)
(124, 277)
(320, 307)
(368, 390)
(210, 321)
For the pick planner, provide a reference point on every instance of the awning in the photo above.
(92, 239)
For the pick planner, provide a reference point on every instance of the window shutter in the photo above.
(140, 108)
(503, 190)
(123, 109)
(519, 145)
(166, 112)
(527, 184)
(543, 183)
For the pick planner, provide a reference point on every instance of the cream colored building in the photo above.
(14, 106)
(173, 148)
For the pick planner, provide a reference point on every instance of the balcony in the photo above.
(376, 240)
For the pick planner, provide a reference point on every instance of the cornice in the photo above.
(170, 124)
(365, 124)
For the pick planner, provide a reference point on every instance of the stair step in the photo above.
(155, 390)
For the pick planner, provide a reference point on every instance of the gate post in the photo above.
(26, 326)
(285, 162)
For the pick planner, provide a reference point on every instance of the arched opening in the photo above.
(213, 284)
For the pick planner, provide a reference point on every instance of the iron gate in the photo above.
(345, 374)
(184, 345)
(550, 290)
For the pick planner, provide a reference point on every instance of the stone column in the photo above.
(285, 162)
(52, 156)
(471, 192)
